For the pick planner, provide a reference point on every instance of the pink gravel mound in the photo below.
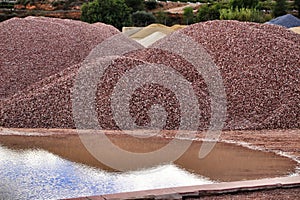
(259, 64)
(45, 104)
(34, 48)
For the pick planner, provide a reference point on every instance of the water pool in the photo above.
(57, 166)
(38, 174)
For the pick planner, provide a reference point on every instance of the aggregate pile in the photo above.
(296, 29)
(259, 64)
(151, 33)
(288, 21)
(34, 48)
(152, 28)
(150, 39)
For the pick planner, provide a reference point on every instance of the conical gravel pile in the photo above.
(34, 48)
(259, 66)
(287, 21)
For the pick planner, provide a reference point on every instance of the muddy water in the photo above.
(49, 165)
(226, 162)
(38, 174)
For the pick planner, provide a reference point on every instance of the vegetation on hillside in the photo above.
(188, 15)
(114, 12)
(142, 18)
(297, 6)
(280, 8)
(140, 12)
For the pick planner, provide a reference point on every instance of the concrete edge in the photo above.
(204, 190)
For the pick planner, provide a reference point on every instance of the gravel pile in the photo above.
(259, 64)
(150, 39)
(34, 48)
(295, 29)
(44, 104)
(287, 21)
(152, 28)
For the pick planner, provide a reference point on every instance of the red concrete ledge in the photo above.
(205, 190)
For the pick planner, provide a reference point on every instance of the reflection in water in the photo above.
(38, 174)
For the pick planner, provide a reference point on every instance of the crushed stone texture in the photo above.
(259, 64)
(35, 48)
(287, 21)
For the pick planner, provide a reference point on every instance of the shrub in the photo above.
(243, 4)
(188, 15)
(135, 5)
(142, 18)
(243, 14)
(209, 12)
(266, 5)
(162, 17)
(114, 12)
(280, 8)
(151, 4)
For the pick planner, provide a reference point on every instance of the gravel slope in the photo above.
(34, 48)
(259, 64)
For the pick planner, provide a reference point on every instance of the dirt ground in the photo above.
(287, 141)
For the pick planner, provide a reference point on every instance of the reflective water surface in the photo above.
(54, 164)
(38, 174)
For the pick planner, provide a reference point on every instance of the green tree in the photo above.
(280, 8)
(162, 17)
(143, 18)
(209, 12)
(188, 15)
(135, 5)
(114, 12)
